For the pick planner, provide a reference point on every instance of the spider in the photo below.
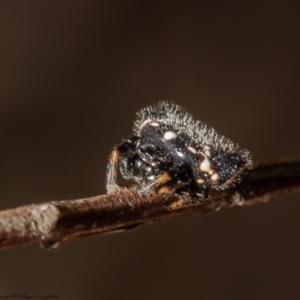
(171, 152)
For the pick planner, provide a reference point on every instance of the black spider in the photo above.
(171, 152)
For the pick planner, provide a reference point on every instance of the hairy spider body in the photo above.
(171, 152)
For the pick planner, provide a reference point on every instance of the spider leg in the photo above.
(162, 179)
(111, 173)
(164, 190)
(112, 167)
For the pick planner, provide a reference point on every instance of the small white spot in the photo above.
(205, 165)
(169, 135)
(200, 181)
(191, 149)
(44, 207)
(180, 154)
(207, 150)
(214, 177)
(207, 153)
(154, 124)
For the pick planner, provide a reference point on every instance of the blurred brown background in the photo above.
(72, 76)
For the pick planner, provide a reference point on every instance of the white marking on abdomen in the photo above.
(180, 154)
(205, 165)
(191, 149)
(169, 135)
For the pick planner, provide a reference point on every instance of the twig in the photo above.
(57, 222)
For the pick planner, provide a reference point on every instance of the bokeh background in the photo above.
(72, 76)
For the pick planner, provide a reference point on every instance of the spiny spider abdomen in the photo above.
(171, 152)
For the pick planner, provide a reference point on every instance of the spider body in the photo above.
(171, 152)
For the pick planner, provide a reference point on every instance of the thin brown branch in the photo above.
(57, 222)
